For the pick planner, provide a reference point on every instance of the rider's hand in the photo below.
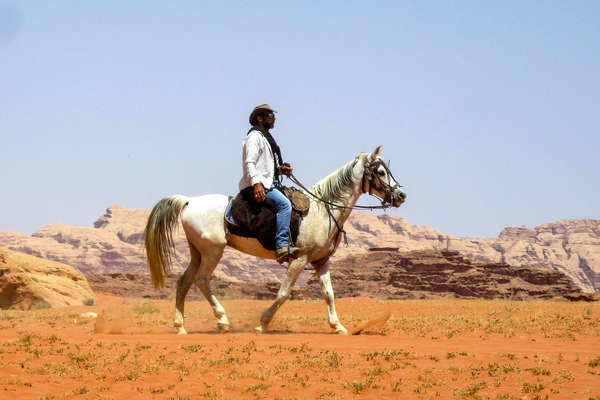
(286, 170)
(259, 192)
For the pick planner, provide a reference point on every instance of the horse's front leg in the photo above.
(294, 269)
(327, 292)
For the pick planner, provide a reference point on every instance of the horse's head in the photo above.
(379, 181)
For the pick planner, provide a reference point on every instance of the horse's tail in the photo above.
(159, 235)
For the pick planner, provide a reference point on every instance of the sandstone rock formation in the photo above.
(29, 282)
(421, 274)
(418, 274)
(116, 244)
(568, 246)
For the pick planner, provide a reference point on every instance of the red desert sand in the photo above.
(421, 349)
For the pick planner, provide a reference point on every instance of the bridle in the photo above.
(370, 180)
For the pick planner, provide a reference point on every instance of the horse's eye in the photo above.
(381, 172)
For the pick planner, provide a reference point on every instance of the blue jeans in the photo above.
(283, 206)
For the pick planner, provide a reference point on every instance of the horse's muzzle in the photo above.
(398, 197)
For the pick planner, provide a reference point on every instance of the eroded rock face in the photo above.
(419, 274)
(28, 282)
(116, 244)
(568, 246)
(423, 274)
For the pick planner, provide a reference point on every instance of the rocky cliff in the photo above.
(421, 274)
(115, 243)
(28, 282)
(418, 274)
(568, 246)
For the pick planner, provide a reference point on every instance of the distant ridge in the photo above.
(115, 244)
(427, 274)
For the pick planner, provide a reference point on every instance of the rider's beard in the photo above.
(268, 125)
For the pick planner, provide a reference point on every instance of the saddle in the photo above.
(248, 218)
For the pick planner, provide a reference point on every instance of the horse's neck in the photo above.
(347, 202)
(347, 198)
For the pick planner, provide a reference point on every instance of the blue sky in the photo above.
(488, 111)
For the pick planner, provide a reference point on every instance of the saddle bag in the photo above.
(300, 201)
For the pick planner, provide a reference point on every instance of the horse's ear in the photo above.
(375, 153)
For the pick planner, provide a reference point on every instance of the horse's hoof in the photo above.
(181, 330)
(222, 328)
(258, 330)
(341, 331)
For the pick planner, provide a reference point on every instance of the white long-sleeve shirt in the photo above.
(257, 161)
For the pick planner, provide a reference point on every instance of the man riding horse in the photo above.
(262, 165)
(332, 200)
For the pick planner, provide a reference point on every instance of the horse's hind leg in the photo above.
(183, 285)
(210, 259)
(294, 269)
(327, 292)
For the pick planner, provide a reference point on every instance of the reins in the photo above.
(337, 206)
(297, 182)
(327, 204)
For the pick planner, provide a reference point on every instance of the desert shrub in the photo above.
(145, 308)
(595, 362)
(532, 387)
(42, 305)
(89, 301)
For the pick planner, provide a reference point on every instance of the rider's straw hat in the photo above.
(257, 110)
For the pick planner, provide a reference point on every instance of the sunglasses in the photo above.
(270, 115)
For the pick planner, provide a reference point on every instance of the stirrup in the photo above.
(286, 254)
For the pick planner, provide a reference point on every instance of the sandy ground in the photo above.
(427, 349)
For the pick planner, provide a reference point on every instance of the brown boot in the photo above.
(286, 253)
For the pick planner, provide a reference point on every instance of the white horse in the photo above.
(203, 222)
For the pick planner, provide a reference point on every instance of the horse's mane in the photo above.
(332, 186)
